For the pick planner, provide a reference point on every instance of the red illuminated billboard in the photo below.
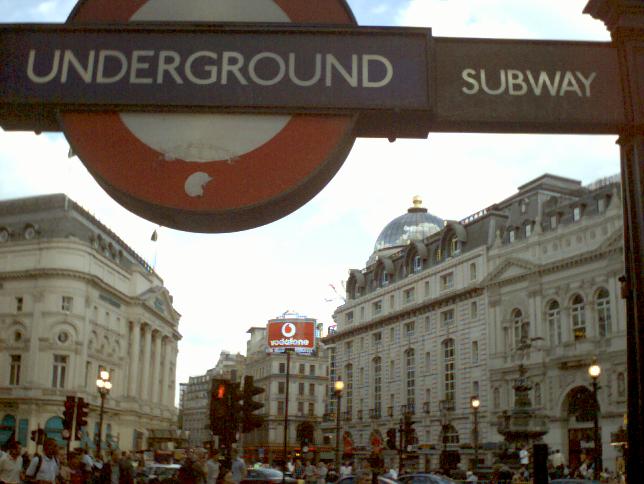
(292, 333)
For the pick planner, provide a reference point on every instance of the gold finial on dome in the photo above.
(418, 201)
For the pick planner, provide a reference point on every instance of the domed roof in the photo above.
(416, 224)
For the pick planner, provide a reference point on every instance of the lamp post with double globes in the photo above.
(338, 386)
(475, 403)
(103, 385)
(594, 370)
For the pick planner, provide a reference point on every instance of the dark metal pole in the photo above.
(625, 21)
(100, 424)
(288, 371)
(337, 432)
(476, 440)
(400, 445)
(597, 461)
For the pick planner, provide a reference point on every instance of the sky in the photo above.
(223, 284)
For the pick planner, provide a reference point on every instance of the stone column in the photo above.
(155, 387)
(135, 350)
(147, 350)
(165, 383)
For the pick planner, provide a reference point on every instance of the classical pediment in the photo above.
(158, 299)
(510, 269)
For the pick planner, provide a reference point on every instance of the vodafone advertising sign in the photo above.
(297, 334)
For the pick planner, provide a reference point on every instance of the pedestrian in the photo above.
(11, 465)
(310, 473)
(298, 471)
(45, 468)
(471, 477)
(212, 466)
(332, 473)
(322, 472)
(190, 472)
(116, 471)
(237, 467)
(346, 469)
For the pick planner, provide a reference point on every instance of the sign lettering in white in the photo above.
(517, 82)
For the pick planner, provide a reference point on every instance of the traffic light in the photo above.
(219, 398)
(81, 416)
(391, 439)
(409, 431)
(250, 421)
(68, 416)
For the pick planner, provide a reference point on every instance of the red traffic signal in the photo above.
(219, 401)
(82, 410)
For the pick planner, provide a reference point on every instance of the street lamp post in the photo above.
(594, 370)
(103, 385)
(475, 403)
(338, 386)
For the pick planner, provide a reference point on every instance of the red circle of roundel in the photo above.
(261, 185)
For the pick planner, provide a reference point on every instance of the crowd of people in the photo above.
(56, 466)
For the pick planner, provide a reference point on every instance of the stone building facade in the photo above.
(447, 310)
(194, 403)
(75, 299)
(308, 380)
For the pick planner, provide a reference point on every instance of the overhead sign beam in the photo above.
(402, 82)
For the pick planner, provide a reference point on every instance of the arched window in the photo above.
(578, 314)
(54, 429)
(520, 328)
(410, 363)
(602, 302)
(553, 316)
(449, 369)
(7, 429)
(377, 384)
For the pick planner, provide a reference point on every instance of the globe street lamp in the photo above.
(103, 385)
(338, 386)
(594, 370)
(475, 403)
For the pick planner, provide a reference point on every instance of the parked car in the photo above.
(354, 480)
(573, 481)
(158, 474)
(425, 478)
(266, 475)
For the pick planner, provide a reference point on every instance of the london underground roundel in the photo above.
(204, 172)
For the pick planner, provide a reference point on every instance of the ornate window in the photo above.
(553, 316)
(603, 312)
(520, 327)
(418, 263)
(578, 313)
(449, 369)
(410, 359)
